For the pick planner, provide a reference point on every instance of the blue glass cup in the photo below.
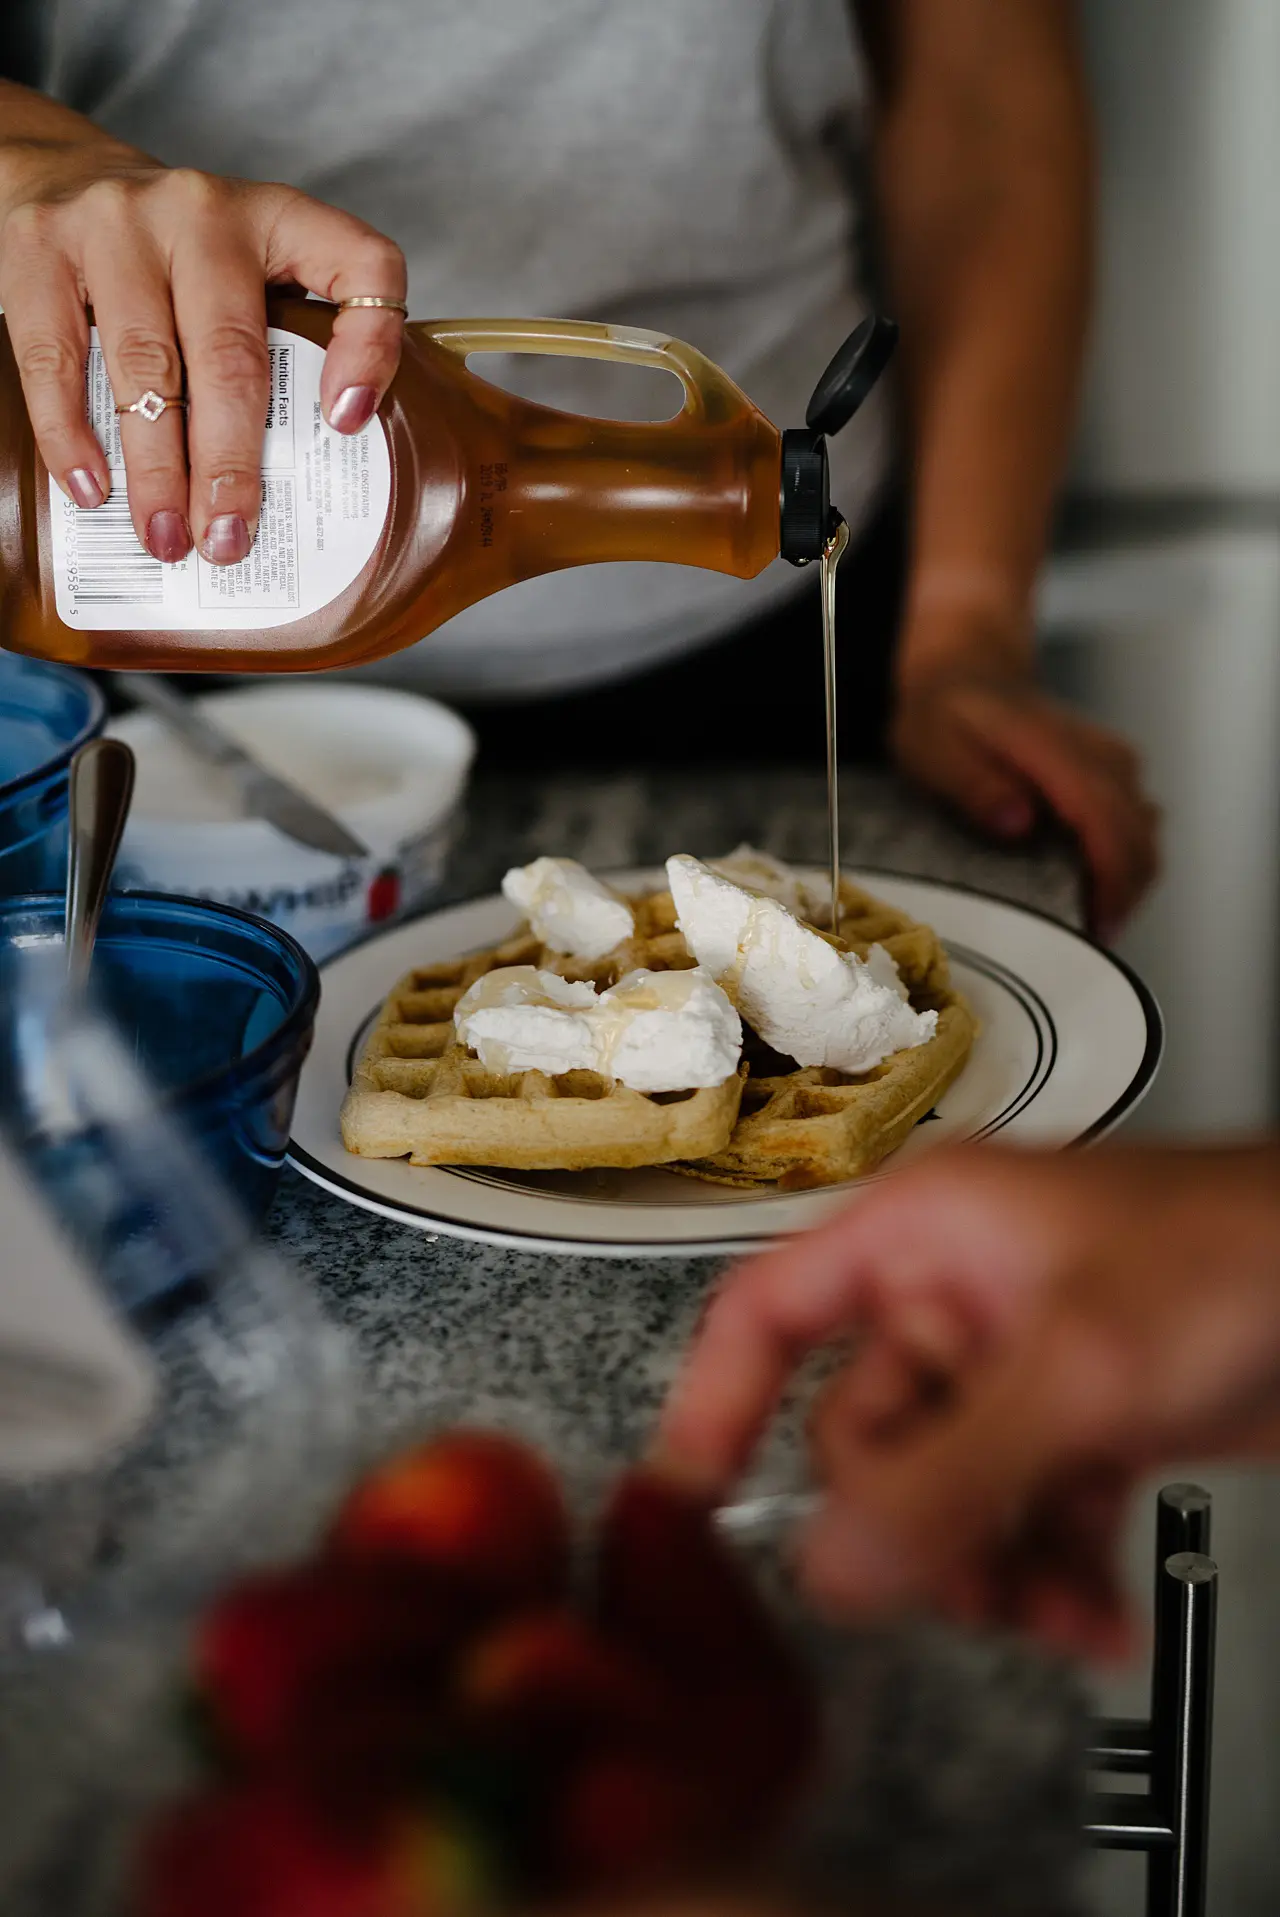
(215, 1006)
(46, 714)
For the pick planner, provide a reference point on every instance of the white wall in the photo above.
(1184, 392)
(1177, 642)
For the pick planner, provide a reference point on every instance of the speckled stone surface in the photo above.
(633, 818)
(959, 1756)
(957, 1774)
(582, 1346)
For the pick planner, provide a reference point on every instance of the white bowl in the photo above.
(392, 766)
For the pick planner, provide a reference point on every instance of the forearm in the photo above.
(984, 181)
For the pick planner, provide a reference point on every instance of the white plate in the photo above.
(1069, 1044)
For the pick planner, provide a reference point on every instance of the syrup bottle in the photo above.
(455, 489)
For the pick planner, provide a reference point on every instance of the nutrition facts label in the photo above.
(325, 498)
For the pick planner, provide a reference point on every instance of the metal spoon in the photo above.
(101, 789)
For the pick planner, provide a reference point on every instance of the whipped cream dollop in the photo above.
(568, 908)
(805, 998)
(653, 1031)
(761, 872)
(518, 1019)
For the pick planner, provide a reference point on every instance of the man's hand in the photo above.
(1034, 1333)
(174, 264)
(996, 748)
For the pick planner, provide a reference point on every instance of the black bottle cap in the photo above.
(806, 519)
(805, 501)
(851, 374)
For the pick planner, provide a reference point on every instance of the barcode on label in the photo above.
(110, 566)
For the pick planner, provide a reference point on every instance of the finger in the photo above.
(129, 290)
(1114, 829)
(879, 1390)
(1065, 1610)
(1059, 1578)
(1138, 818)
(1119, 833)
(954, 1231)
(763, 1319)
(982, 785)
(903, 1372)
(1079, 1620)
(359, 366)
(339, 257)
(1121, 759)
(220, 304)
(49, 334)
(902, 1521)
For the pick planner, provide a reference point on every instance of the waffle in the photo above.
(801, 1126)
(417, 1093)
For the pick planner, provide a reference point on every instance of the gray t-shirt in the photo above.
(680, 164)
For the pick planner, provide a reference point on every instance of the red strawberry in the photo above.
(328, 1666)
(266, 1852)
(475, 1506)
(670, 1591)
(626, 1821)
(548, 1684)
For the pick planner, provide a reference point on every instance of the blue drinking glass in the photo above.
(216, 1007)
(46, 714)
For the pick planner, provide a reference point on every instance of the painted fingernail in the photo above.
(168, 537)
(227, 541)
(84, 488)
(353, 408)
(1011, 819)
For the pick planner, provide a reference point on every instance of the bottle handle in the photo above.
(709, 393)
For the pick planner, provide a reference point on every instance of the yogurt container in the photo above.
(392, 766)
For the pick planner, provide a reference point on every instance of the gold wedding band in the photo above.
(373, 299)
(150, 406)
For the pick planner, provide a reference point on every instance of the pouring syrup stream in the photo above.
(831, 551)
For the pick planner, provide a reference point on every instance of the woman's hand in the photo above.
(174, 264)
(1034, 1333)
(988, 741)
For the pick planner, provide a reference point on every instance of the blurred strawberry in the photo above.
(549, 1684)
(266, 1853)
(625, 1821)
(473, 1505)
(670, 1591)
(330, 1666)
(669, 1586)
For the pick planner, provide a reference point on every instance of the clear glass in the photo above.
(102, 1570)
(46, 715)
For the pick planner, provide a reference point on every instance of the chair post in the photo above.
(1182, 1524)
(1169, 1820)
(1182, 1736)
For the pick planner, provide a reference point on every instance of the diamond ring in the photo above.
(151, 405)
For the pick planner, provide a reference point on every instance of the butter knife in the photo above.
(264, 794)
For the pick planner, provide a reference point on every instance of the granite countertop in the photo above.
(576, 1353)
(588, 1344)
(962, 1758)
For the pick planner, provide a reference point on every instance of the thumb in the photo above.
(902, 1517)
